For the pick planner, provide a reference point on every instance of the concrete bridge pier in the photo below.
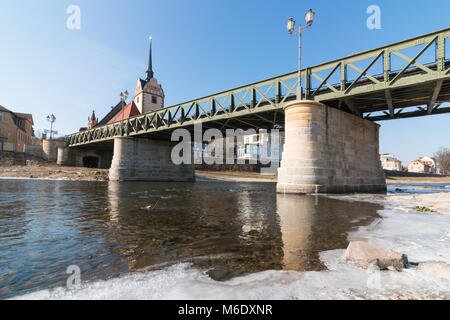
(329, 151)
(143, 159)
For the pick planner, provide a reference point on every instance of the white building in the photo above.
(260, 147)
(149, 95)
(423, 165)
(390, 162)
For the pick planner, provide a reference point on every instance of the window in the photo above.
(1, 117)
(137, 100)
(0, 131)
(154, 99)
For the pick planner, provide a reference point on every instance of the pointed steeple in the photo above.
(92, 121)
(150, 67)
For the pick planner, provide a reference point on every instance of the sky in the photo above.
(199, 47)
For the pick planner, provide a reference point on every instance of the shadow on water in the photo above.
(107, 229)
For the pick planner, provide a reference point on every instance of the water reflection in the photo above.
(227, 229)
(296, 214)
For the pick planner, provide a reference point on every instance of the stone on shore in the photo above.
(435, 268)
(366, 255)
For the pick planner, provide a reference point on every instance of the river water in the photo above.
(107, 229)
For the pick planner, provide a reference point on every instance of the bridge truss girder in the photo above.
(374, 93)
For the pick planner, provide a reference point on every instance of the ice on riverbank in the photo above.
(438, 202)
(422, 236)
(342, 281)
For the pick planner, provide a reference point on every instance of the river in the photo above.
(108, 229)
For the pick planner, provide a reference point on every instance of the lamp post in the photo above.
(51, 118)
(309, 18)
(123, 98)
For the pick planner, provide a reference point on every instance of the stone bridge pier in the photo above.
(143, 159)
(328, 151)
(91, 158)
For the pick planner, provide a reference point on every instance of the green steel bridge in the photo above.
(410, 78)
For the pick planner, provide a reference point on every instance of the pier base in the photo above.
(329, 151)
(142, 159)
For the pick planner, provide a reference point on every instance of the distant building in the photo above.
(423, 165)
(431, 162)
(92, 121)
(16, 130)
(259, 147)
(148, 97)
(252, 148)
(390, 162)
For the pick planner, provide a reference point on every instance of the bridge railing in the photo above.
(370, 71)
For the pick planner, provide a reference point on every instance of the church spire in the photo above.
(150, 67)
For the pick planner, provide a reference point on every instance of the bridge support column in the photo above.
(142, 159)
(328, 151)
(66, 157)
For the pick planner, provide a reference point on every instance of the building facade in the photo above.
(16, 130)
(390, 162)
(423, 165)
(149, 95)
(92, 121)
(261, 147)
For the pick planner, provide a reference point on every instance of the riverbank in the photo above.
(53, 172)
(235, 176)
(443, 179)
(44, 170)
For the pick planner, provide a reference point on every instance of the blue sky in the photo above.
(200, 47)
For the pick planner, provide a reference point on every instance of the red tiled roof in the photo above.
(425, 163)
(130, 110)
(111, 114)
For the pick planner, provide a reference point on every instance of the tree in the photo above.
(443, 160)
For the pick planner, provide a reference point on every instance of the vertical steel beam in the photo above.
(232, 104)
(440, 53)
(388, 96)
(386, 65)
(253, 98)
(343, 75)
(213, 107)
(183, 115)
(308, 83)
(278, 92)
(434, 95)
(197, 111)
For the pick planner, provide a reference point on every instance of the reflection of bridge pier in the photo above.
(296, 216)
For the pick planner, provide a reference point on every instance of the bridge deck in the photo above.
(364, 84)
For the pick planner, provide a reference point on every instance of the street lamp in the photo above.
(123, 98)
(309, 18)
(51, 118)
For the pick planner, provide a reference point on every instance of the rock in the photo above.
(367, 255)
(435, 268)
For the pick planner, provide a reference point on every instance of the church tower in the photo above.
(92, 121)
(149, 95)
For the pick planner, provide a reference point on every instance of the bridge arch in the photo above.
(91, 161)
